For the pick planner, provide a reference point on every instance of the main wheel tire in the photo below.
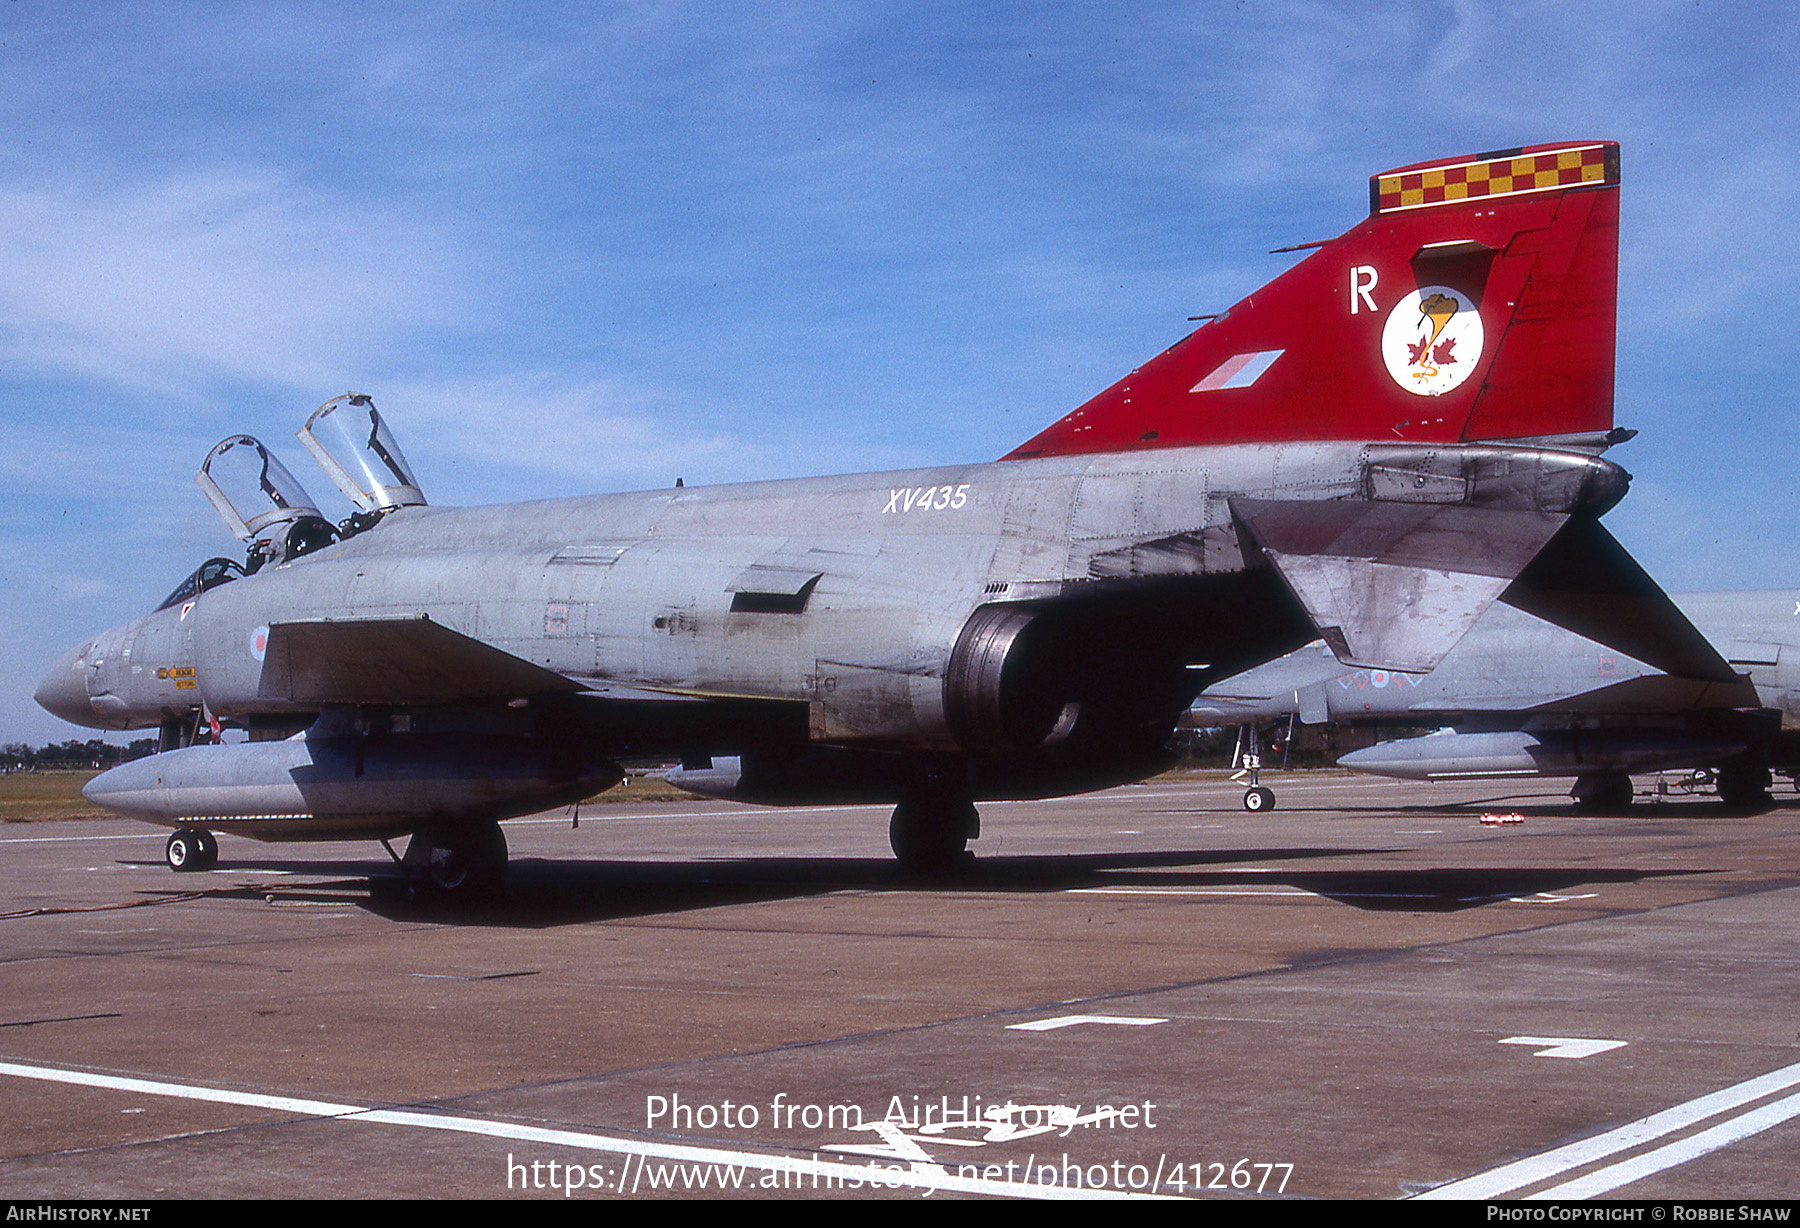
(1744, 786)
(206, 849)
(1259, 799)
(467, 862)
(1603, 793)
(931, 836)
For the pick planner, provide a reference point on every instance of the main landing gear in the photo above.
(930, 835)
(1744, 786)
(465, 862)
(1602, 793)
(191, 849)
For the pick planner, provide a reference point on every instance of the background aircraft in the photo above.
(1521, 697)
(1370, 449)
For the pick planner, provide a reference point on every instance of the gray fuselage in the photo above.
(1021, 628)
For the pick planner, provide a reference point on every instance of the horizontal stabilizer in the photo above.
(1395, 585)
(394, 661)
(1588, 583)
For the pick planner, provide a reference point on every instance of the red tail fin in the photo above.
(1477, 301)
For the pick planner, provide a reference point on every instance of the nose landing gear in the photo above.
(1257, 797)
(191, 849)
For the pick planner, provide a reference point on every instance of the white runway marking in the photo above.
(602, 812)
(1533, 1169)
(1605, 1180)
(146, 835)
(1573, 1047)
(1070, 1021)
(927, 1176)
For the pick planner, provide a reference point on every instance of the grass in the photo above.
(641, 789)
(33, 797)
(37, 797)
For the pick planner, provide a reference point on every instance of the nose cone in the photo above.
(64, 693)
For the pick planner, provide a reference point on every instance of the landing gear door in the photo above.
(355, 448)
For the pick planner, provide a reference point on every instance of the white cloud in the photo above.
(538, 434)
(74, 588)
(603, 430)
(240, 275)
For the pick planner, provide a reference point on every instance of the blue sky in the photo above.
(595, 247)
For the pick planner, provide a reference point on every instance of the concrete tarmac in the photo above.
(1366, 993)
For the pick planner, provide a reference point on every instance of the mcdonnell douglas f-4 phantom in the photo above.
(1372, 448)
(1521, 698)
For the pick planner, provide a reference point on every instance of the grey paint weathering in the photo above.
(929, 638)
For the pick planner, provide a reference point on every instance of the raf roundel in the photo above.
(259, 642)
(1432, 340)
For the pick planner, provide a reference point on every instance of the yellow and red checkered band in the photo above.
(1495, 175)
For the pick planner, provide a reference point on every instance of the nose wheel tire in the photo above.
(1259, 799)
(191, 849)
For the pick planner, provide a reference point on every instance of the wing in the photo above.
(395, 661)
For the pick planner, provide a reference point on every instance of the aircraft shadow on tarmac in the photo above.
(544, 893)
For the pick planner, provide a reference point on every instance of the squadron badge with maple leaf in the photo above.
(1432, 340)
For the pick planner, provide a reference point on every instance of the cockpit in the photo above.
(209, 574)
(265, 506)
(261, 502)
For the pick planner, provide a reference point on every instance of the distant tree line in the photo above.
(1283, 745)
(91, 755)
